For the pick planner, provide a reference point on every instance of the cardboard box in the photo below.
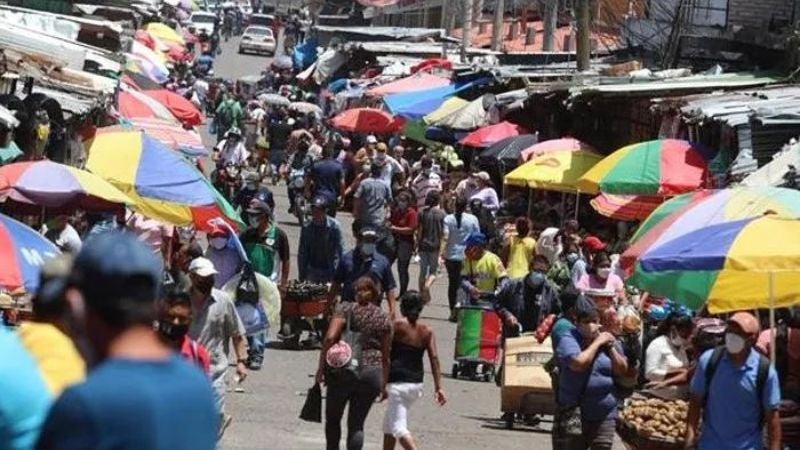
(526, 385)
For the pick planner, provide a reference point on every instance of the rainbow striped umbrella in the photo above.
(173, 136)
(165, 186)
(625, 207)
(22, 251)
(52, 185)
(745, 264)
(663, 167)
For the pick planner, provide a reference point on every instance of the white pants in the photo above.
(401, 397)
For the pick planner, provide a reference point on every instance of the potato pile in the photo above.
(657, 418)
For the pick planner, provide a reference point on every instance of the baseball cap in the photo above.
(382, 147)
(108, 261)
(476, 239)
(202, 267)
(259, 207)
(746, 321)
(372, 139)
(218, 231)
(482, 176)
(368, 232)
(594, 243)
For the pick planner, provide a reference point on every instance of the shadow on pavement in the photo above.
(496, 423)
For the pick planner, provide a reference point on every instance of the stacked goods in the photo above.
(302, 290)
(304, 299)
(653, 418)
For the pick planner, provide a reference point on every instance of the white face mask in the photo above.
(604, 272)
(218, 243)
(734, 343)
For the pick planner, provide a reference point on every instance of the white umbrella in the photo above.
(274, 99)
(306, 108)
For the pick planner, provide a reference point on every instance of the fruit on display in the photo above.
(657, 418)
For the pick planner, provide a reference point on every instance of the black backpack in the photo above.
(247, 289)
(761, 377)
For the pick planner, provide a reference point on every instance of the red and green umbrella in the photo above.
(625, 207)
(664, 167)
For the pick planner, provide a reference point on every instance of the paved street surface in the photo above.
(265, 416)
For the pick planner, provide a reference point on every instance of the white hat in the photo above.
(372, 139)
(202, 267)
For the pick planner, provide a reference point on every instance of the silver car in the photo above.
(258, 39)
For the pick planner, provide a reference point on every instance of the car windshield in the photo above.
(202, 19)
(259, 31)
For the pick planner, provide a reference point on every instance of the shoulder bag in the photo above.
(343, 359)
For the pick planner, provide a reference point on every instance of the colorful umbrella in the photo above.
(52, 185)
(163, 32)
(705, 208)
(449, 106)
(509, 148)
(165, 186)
(367, 120)
(731, 266)
(173, 136)
(662, 167)
(140, 82)
(141, 50)
(557, 171)
(23, 251)
(145, 38)
(180, 107)
(492, 134)
(136, 105)
(418, 82)
(625, 207)
(554, 145)
(155, 72)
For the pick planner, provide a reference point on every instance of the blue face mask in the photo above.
(367, 249)
(535, 280)
(572, 258)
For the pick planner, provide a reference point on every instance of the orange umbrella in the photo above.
(178, 105)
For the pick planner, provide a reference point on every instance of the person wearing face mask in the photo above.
(601, 278)
(364, 260)
(321, 245)
(587, 360)
(426, 181)
(591, 246)
(174, 318)
(483, 272)
(666, 360)
(736, 391)
(223, 255)
(114, 303)
(404, 222)
(266, 245)
(252, 189)
(215, 323)
(467, 187)
(524, 302)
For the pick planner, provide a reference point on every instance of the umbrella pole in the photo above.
(577, 203)
(563, 208)
(772, 329)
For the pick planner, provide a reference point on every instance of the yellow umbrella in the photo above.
(449, 106)
(164, 32)
(556, 171)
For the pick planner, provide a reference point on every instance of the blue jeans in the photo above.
(256, 343)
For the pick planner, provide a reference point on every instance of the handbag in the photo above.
(312, 408)
(343, 359)
(567, 421)
(247, 289)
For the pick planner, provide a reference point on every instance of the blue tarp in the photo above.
(305, 54)
(418, 104)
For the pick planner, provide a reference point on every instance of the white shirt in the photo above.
(663, 357)
(201, 87)
(235, 155)
(422, 185)
(67, 240)
(548, 245)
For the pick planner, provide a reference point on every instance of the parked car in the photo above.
(265, 20)
(258, 39)
(201, 20)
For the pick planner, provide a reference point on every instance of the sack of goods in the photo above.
(654, 419)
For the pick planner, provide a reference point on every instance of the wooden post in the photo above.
(497, 31)
(583, 49)
(550, 25)
(466, 29)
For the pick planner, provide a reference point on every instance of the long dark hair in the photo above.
(411, 304)
(461, 206)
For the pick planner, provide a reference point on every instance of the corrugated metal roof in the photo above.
(389, 32)
(773, 105)
(625, 85)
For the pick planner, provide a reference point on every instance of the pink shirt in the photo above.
(613, 283)
(151, 232)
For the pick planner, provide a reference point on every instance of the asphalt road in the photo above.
(265, 415)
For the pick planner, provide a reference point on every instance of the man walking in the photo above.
(430, 239)
(327, 180)
(736, 392)
(321, 245)
(138, 378)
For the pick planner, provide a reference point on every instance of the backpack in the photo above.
(247, 289)
(761, 377)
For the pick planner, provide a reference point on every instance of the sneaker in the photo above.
(255, 364)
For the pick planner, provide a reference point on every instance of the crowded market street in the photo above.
(265, 415)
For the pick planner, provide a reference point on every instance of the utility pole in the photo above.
(583, 49)
(550, 25)
(466, 29)
(497, 28)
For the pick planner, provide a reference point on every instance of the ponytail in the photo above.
(461, 206)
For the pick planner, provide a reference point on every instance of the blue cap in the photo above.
(112, 257)
(476, 239)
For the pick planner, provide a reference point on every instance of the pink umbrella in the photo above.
(554, 145)
(488, 135)
(417, 82)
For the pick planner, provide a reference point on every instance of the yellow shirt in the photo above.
(520, 255)
(58, 359)
(485, 272)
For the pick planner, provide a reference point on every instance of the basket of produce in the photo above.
(304, 299)
(653, 423)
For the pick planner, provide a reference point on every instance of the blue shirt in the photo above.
(135, 405)
(24, 398)
(327, 176)
(598, 401)
(731, 414)
(456, 236)
(353, 266)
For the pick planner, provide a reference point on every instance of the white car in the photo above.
(258, 40)
(201, 20)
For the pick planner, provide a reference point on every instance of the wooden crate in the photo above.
(526, 385)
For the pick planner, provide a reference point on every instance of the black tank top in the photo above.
(406, 364)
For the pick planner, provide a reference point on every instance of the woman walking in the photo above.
(360, 386)
(411, 340)
(457, 228)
